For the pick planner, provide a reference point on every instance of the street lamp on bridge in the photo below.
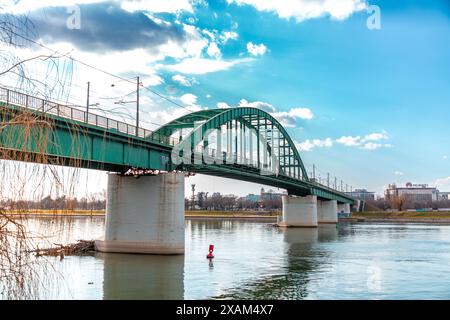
(87, 102)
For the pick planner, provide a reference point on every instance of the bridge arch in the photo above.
(242, 136)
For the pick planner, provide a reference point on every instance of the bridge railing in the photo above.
(322, 186)
(11, 97)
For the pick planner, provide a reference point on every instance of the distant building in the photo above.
(252, 197)
(362, 194)
(413, 192)
(443, 196)
(270, 194)
(264, 196)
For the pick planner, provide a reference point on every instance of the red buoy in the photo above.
(210, 254)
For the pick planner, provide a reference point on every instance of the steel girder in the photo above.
(278, 140)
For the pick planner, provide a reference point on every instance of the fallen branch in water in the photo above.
(82, 247)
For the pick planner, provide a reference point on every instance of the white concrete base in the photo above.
(144, 215)
(299, 211)
(327, 211)
(357, 206)
(344, 208)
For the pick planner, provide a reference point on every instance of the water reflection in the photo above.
(303, 258)
(142, 276)
(328, 232)
(255, 260)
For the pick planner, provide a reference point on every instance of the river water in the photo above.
(254, 260)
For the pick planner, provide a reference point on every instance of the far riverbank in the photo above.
(189, 214)
(434, 217)
(269, 216)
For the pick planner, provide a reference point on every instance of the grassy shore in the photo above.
(188, 213)
(263, 215)
(42, 212)
(382, 215)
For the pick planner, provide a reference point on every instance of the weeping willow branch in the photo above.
(22, 276)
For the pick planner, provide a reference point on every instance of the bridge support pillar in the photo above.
(144, 214)
(327, 211)
(299, 211)
(344, 208)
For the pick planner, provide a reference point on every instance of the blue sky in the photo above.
(369, 106)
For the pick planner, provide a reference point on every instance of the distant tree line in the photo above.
(230, 202)
(91, 202)
(401, 203)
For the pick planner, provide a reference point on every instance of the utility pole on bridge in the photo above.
(137, 107)
(193, 197)
(87, 101)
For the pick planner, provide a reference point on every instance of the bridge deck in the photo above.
(71, 137)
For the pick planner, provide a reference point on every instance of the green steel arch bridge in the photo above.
(239, 143)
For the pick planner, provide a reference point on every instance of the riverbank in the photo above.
(241, 215)
(189, 214)
(402, 217)
(266, 216)
(269, 216)
(53, 213)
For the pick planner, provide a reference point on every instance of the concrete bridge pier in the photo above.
(144, 214)
(344, 208)
(299, 211)
(327, 211)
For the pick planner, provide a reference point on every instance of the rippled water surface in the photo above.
(255, 260)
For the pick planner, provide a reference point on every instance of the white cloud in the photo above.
(256, 50)
(302, 10)
(100, 82)
(398, 173)
(366, 142)
(23, 6)
(156, 6)
(183, 80)
(309, 145)
(303, 113)
(212, 34)
(289, 118)
(257, 104)
(349, 141)
(192, 46)
(202, 65)
(169, 114)
(245, 104)
(374, 146)
(445, 157)
(213, 50)
(376, 136)
(189, 99)
(228, 35)
(286, 118)
(223, 105)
